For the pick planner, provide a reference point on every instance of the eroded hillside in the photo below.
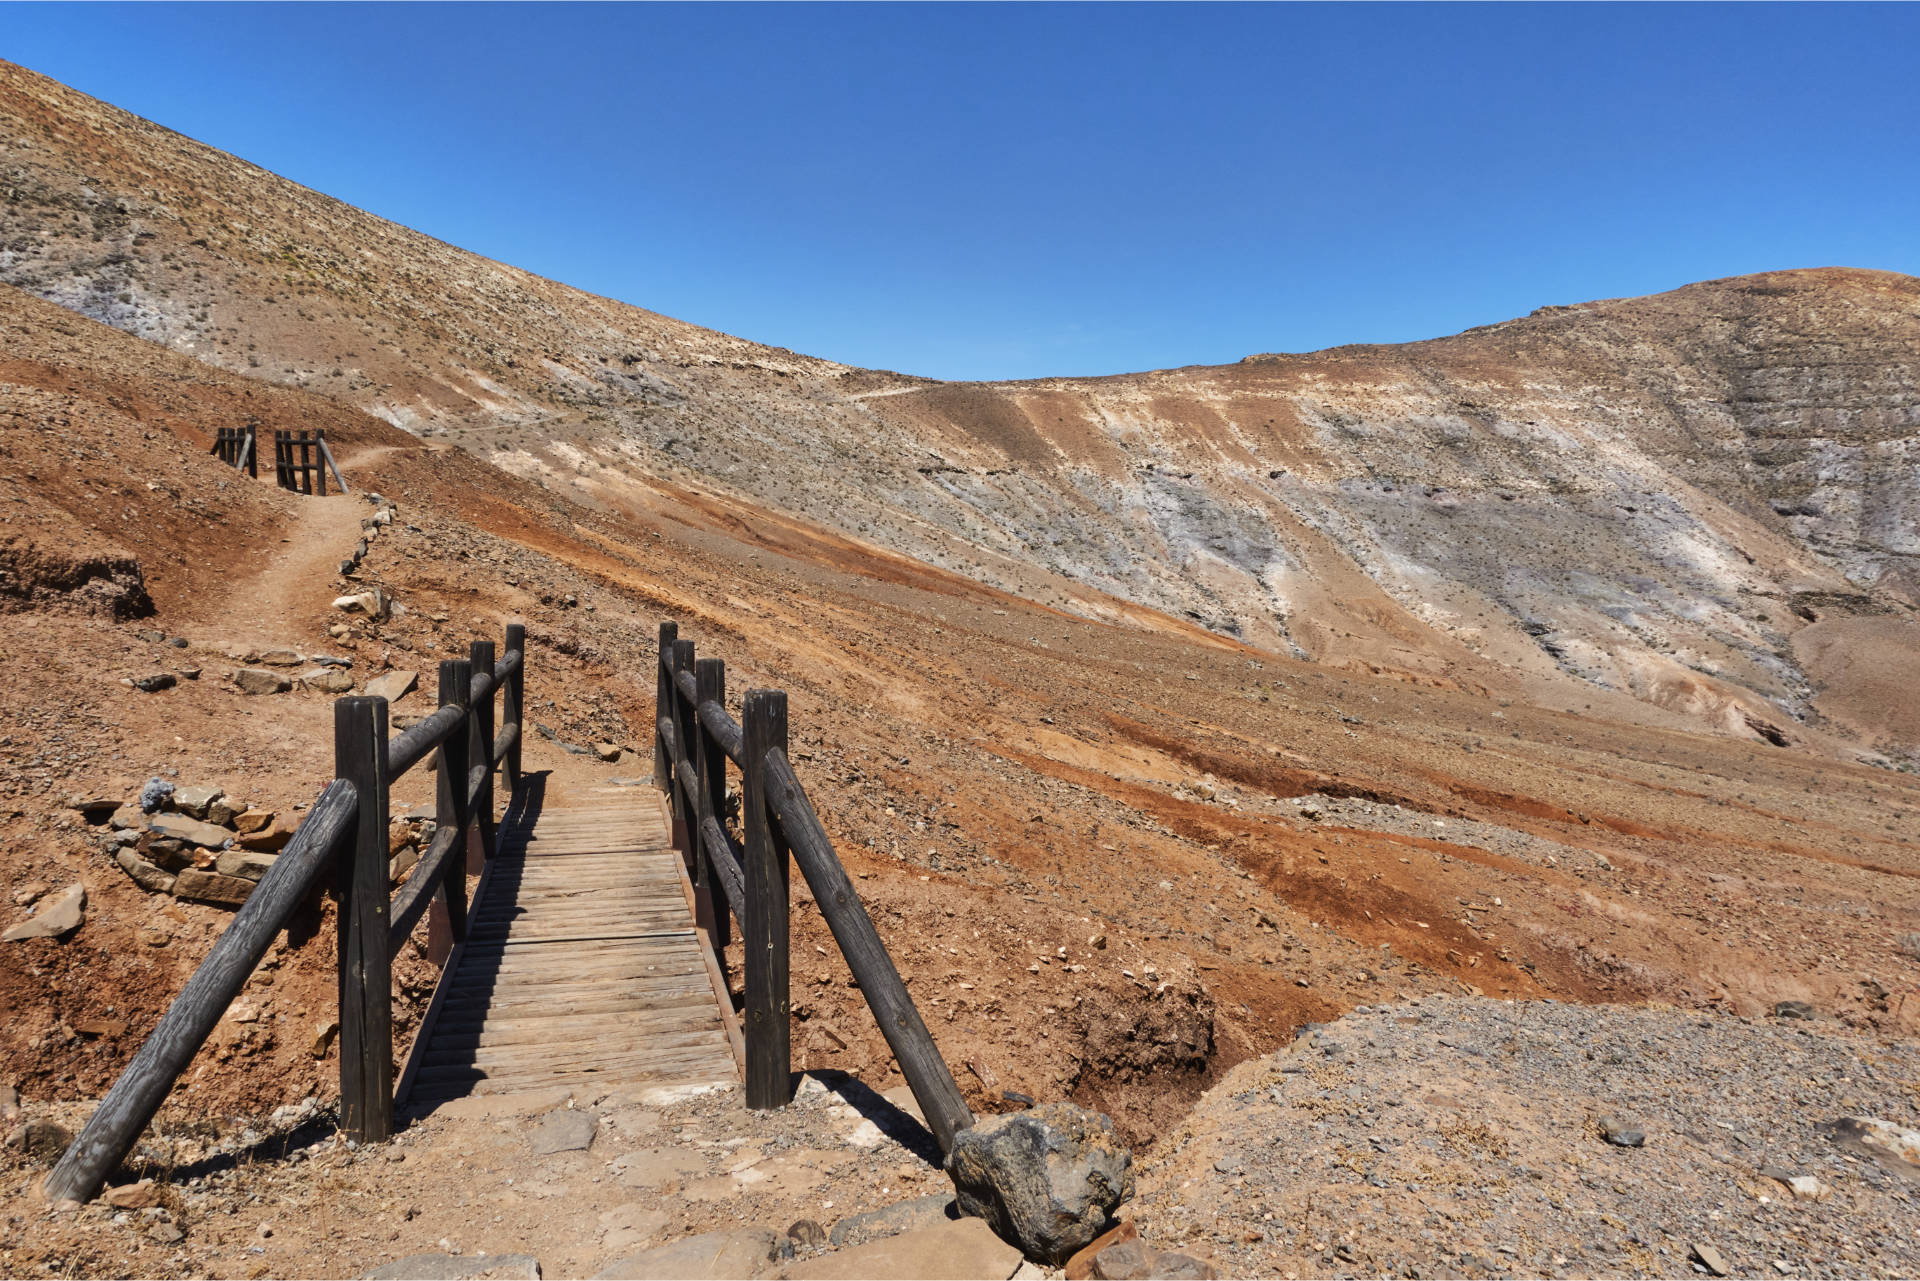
(1702, 501)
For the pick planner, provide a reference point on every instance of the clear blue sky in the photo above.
(1006, 191)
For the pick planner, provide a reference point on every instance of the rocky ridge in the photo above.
(1699, 501)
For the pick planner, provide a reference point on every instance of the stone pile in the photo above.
(191, 842)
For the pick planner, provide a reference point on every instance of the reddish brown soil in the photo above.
(1005, 781)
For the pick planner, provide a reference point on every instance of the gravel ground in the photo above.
(1464, 1137)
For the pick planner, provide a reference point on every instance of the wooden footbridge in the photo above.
(592, 951)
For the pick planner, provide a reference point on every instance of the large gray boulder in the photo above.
(1047, 1179)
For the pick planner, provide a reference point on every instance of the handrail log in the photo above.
(117, 1123)
(484, 683)
(410, 904)
(683, 770)
(726, 863)
(413, 745)
(684, 682)
(670, 740)
(920, 1062)
(725, 730)
(510, 663)
(503, 742)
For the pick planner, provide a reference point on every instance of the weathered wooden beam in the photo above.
(513, 700)
(451, 817)
(116, 1125)
(426, 887)
(415, 743)
(480, 749)
(725, 856)
(920, 1062)
(722, 729)
(662, 691)
(710, 680)
(366, 974)
(765, 930)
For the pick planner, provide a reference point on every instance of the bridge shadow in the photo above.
(891, 1120)
(528, 800)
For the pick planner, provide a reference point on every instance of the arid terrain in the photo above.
(1156, 716)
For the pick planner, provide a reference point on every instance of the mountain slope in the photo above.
(1703, 500)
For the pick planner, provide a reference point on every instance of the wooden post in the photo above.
(366, 975)
(684, 819)
(710, 682)
(447, 918)
(663, 706)
(513, 699)
(253, 451)
(480, 757)
(763, 719)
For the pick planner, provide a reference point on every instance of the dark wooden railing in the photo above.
(343, 843)
(694, 738)
(234, 447)
(302, 457)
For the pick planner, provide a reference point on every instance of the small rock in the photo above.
(1047, 1179)
(151, 937)
(220, 812)
(94, 809)
(9, 1102)
(325, 680)
(108, 1028)
(1620, 1134)
(393, 686)
(1792, 1010)
(148, 877)
(903, 1216)
(323, 1035)
(458, 1267)
(260, 680)
(806, 1233)
(247, 865)
(133, 1196)
(281, 657)
(43, 1140)
(128, 816)
(608, 752)
(188, 673)
(64, 915)
(746, 1253)
(195, 800)
(1080, 1266)
(252, 820)
(272, 837)
(154, 793)
(565, 1130)
(211, 887)
(191, 830)
(1805, 1187)
(167, 1233)
(1710, 1259)
(956, 1248)
(154, 682)
(373, 604)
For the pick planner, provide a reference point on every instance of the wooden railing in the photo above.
(342, 843)
(694, 738)
(234, 447)
(302, 457)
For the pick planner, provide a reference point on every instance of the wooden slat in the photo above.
(580, 966)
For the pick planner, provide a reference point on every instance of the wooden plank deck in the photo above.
(581, 965)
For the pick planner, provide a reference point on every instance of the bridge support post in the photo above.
(663, 706)
(763, 719)
(480, 762)
(366, 973)
(684, 818)
(710, 912)
(512, 699)
(447, 918)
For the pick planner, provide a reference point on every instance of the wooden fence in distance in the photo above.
(694, 739)
(342, 844)
(234, 447)
(301, 461)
